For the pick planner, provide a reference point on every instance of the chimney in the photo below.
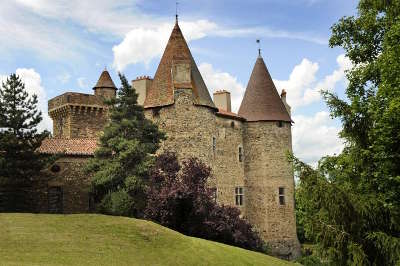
(222, 100)
(283, 97)
(142, 85)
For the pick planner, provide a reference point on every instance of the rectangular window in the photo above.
(280, 123)
(214, 143)
(239, 196)
(282, 196)
(240, 154)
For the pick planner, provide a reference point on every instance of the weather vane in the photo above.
(259, 47)
(176, 10)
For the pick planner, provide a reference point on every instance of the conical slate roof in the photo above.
(261, 101)
(105, 81)
(161, 92)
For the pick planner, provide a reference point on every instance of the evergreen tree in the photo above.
(351, 202)
(125, 154)
(19, 138)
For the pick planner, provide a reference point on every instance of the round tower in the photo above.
(105, 86)
(269, 179)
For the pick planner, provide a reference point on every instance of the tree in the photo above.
(180, 198)
(351, 202)
(19, 138)
(124, 155)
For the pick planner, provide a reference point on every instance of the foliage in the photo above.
(124, 155)
(19, 138)
(351, 201)
(181, 199)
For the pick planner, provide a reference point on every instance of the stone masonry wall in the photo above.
(229, 172)
(267, 169)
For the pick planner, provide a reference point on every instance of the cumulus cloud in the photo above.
(315, 136)
(33, 85)
(143, 44)
(82, 83)
(217, 80)
(302, 85)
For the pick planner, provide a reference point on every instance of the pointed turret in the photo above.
(105, 86)
(177, 70)
(261, 101)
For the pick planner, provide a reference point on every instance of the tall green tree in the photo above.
(351, 202)
(121, 163)
(19, 137)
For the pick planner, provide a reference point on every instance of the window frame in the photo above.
(239, 196)
(281, 196)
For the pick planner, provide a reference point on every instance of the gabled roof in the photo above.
(105, 81)
(261, 101)
(161, 92)
(85, 146)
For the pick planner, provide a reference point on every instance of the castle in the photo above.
(246, 151)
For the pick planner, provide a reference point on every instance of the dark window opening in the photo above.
(156, 112)
(55, 199)
(240, 154)
(282, 196)
(280, 123)
(214, 143)
(55, 168)
(239, 196)
(232, 124)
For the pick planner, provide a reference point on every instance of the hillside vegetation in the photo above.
(38, 239)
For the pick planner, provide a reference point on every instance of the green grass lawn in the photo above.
(38, 239)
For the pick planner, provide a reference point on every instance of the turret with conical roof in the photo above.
(269, 181)
(261, 101)
(177, 70)
(105, 86)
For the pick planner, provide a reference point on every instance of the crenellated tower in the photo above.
(80, 115)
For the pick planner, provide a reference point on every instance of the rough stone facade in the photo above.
(248, 157)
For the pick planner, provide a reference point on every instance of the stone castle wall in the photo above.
(267, 169)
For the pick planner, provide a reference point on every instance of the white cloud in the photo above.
(82, 83)
(64, 78)
(315, 136)
(218, 80)
(33, 85)
(302, 86)
(143, 44)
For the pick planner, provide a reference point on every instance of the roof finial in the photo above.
(176, 12)
(105, 68)
(259, 47)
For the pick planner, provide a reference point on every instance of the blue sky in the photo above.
(63, 45)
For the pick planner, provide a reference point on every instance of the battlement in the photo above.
(75, 98)
(143, 78)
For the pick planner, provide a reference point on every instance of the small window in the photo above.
(240, 154)
(156, 112)
(55, 168)
(239, 196)
(214, 193)
(280, 123)
(282, 196)
(214, 143)
(232, 124)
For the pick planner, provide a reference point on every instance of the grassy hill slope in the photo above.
(37, 239)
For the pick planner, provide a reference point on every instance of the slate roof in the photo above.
(83, 146)
(225, 113)
(161, 92)
(261, 101)
(105, 81)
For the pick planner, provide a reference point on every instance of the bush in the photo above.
(179, 198)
